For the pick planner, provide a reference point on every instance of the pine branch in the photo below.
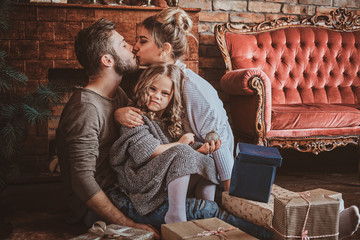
(11, 79)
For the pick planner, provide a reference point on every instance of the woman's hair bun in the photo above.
(177, 17)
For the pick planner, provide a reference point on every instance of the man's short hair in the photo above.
(92, 43)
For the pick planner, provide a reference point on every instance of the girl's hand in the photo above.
(207, 148)
(187, 138)
(128, 116)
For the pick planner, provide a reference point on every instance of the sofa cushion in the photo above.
(304, 116)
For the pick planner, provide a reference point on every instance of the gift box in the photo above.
(307, 216)
(255, 212)
(203, 229)
(102, 231)
(254, 171)
(329, 193)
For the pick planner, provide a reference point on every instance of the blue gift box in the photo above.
(254, 171)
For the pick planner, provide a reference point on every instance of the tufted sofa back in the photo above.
(304, 64)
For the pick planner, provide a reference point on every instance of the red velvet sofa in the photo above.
(294, 84)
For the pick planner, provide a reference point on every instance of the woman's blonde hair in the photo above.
(173, 114)
(171, 25)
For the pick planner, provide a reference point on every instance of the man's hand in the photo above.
(147, 227)
(128, 116)
(187, 138)
(207, 148)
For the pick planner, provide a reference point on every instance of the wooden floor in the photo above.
(36, 211)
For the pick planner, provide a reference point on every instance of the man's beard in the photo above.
(123, 67)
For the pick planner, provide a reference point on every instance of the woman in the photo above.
(163, 39)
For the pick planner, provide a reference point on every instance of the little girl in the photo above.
(154, 161)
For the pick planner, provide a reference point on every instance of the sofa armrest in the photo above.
(249, 82)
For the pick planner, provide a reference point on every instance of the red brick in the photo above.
(193, 65)
(255, 6)
(57, 110)
(238, 6)
(213, 16)
(31, 30)
(207, 39)
(246, 17)
(205, 5)
(192, 54)
(204, 27)
(54, 14)
(347, 3)
(45, 31)
(284, 1)
(318, 2)
(16, 30)
(38, 69)
(24, 49)
(298, 9)
(17, 64)
(52, 134)
(54, 50)
(23, 13)
(128, 31)
(214, 75)
(42, 129)
(5, 46)
(324, 10)
(270, 17)
(54, 122)
(209, 51)
(36, 145)
(66, 31)
(67, 64)
(80, 15)
(211, 63)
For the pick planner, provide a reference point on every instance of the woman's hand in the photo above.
(207, 148)
(128, 116)
(187, 138)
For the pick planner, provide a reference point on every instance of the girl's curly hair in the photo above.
(174, 113)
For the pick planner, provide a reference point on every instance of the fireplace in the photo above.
(40, 43)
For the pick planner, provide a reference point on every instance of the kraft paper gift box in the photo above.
(102, 231)
(255, 212)
(329, 193)
(201, 230)
(313, 216)
(254, 171)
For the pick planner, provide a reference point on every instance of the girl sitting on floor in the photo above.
(156, 161)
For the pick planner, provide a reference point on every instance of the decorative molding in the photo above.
(314, 145)
(257, 84)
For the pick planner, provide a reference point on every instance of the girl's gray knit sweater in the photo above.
(145, 182)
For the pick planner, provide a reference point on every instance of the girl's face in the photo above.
(160, 94)
(145, 49)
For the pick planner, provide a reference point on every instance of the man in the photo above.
(87, 128)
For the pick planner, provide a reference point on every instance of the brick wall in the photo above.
(240, 12)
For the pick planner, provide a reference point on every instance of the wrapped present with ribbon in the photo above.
(256, 212)
(308, 216)
(100, 231)
(203, 229)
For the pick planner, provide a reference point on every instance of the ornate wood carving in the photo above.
(257, 84)
(313, 144)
